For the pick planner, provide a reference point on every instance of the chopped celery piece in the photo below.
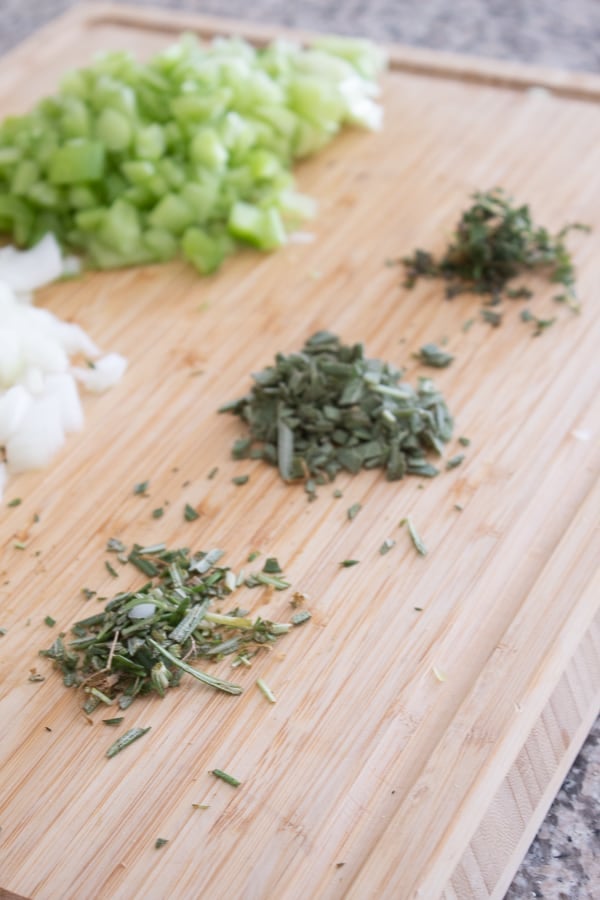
(187, 154)
(76, 160)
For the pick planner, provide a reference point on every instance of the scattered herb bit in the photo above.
(112, 571)
(492, 317)
(468, 325)
(300, 617)
(145, 640)
(455, 461)
(3, 631)
(87, 593)
(464, 441)
(125, 740)
(419, 545)
(116, 720)
(520, 293)
(353, 510)
(459, 507)
(190, 514)
(340, 865)
(47, 728)
(200, 806)
(241, 479)
(418, 608)
(494, 241)
(387, 546)
(346, 563)
(141, 487)
(264, 688)
(337, 494)
(114, 545)
(432, 355)
(271, 566)
(328, 409)
(438, 673)
(16, 502)
(50, 622)
(253, 555)
(541, 325)
(158, 513)
(225, 777)
(212, 473)
(19, 545)
(160, 842)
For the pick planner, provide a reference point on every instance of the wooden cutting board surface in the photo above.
(370, 777)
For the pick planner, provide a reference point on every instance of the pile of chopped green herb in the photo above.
(494, 242)
(328, 408)
(144, 640)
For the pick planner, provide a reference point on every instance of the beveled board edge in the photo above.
(433, 63)
(528, 789)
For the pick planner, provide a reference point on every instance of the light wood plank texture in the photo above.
(370, 777)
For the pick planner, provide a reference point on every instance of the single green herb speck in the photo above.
(432, 355)
(141, 487)
(219, 773)
(158, 512)
(112, 571)
(353, 510)
(241, 479)
(346, 563)
(160, 842)
(50, 622)
(419, 545)
(387, 546)
(16, 502)
(455, 461)
(190, 514)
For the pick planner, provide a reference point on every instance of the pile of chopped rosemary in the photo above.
(328, 408)
(495, 241)
(145, 640)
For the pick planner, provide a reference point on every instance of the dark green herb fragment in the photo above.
(346, 563)
(328, 408)
(353, 510)
(541, 325)
(3, 631)
(141, 487)
(253, 555)
(337, 494)
(495, 241)
(212, 473)
(300, 617)
(110, 569)
(241, 479)
(464, 441)
(387, 546)
(158, 513)
(190, 514)
(466, 326)
(116, 720)
(16, 502)
(492, 317)
(455, 461)
(271, 566)
(50, 622)
(225, 777)
(432, 355)
(125, 740)
(20, 545)
(87, 593)
(160, 842)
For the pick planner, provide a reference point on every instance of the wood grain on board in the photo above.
(371, 776)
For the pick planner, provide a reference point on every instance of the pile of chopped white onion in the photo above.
(39, 399)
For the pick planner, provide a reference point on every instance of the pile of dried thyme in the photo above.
(328, 408)
(495, 241)
(145, 640)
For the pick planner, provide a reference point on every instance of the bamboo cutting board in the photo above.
(370, 777)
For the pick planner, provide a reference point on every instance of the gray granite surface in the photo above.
(563, 863)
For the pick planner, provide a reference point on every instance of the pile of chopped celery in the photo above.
(189, 153)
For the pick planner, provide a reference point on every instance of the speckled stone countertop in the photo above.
(563, 863)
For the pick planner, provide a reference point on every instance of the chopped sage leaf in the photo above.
(50, 622)
(464, 441)
(219, 773)
(353, 510)
(346, 563)
(455, 461)
(190, 514)
(432, 355)
(158, 513)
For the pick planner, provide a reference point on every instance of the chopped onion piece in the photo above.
(14, 404)
(105, 373)
(39, 437)
(142, 611)
(26, 270)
